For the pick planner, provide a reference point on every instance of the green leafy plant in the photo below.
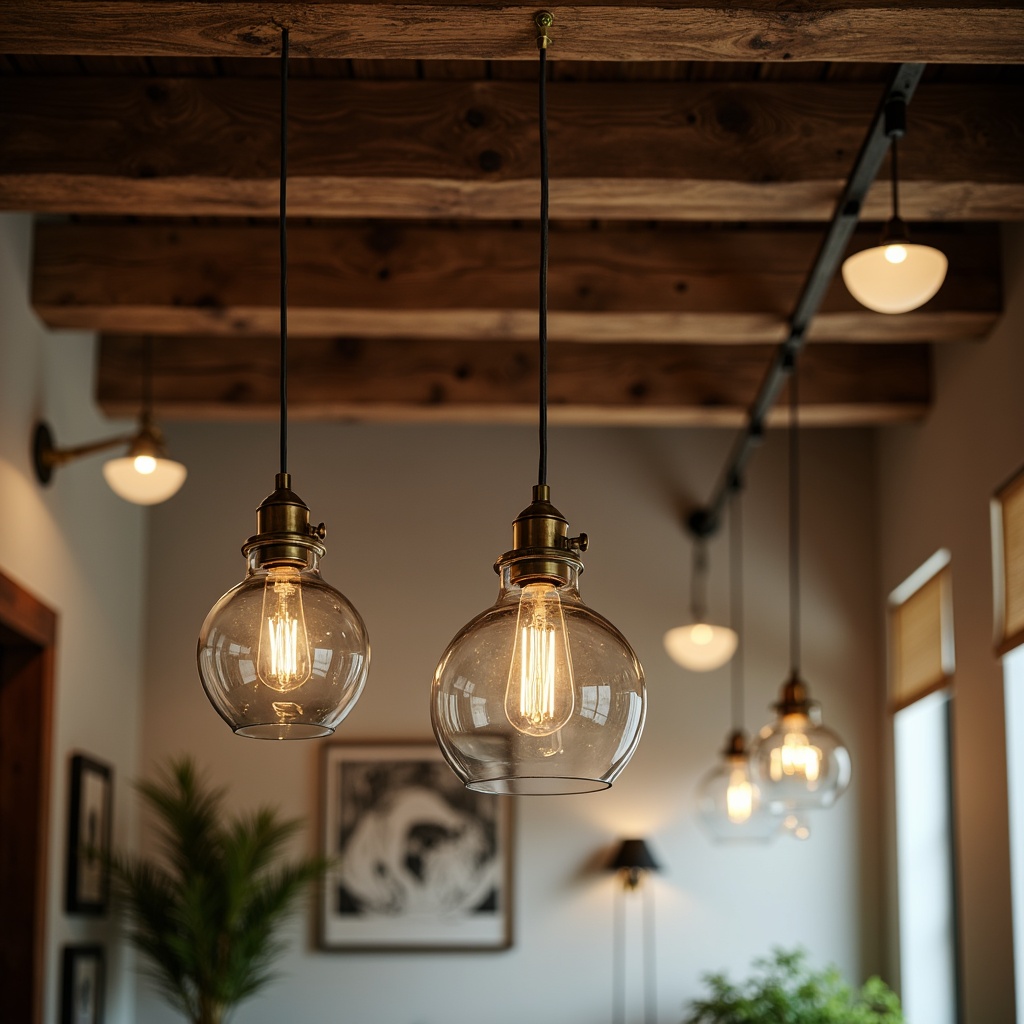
(205, 913)
(784, 990)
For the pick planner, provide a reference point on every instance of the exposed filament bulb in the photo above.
(539, 696)
(283, 661)
(739, 797)
(797, 756)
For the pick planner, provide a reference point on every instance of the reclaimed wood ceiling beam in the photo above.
(955, 31)
(667, 150)
(479, 282)
(216, 378)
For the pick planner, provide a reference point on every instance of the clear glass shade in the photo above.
(144, 479)
(283, 655)
(538, 694)
(800, 764)
(895, 277)
(701, 647)
(731, 806)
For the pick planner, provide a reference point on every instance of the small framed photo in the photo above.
(82, 989)
(419, 861)
(87, 886)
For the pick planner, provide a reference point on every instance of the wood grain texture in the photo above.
(414, 381)
(666, 150)
(709, 30)
(479, 283)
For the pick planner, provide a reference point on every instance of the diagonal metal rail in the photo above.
(705, 521)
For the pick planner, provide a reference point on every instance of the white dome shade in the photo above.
(128, 478)
(895, 277)
(701, 647)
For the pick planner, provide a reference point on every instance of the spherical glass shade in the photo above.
(800, 764)
(895, 277)
(701, 647)
(283, 655)
(538, 695)
(144, 479)
(730, 805)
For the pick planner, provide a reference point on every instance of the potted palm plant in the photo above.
(784, 988)
(205, 913)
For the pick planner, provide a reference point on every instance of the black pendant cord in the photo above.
(895, 171)
(699, 580)
(794, 522)
(736, 596)
(283, 236)
(542, 469)
(147, 378)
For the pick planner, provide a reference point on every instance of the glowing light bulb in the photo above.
(145, 464)
(895, 253)
(702, 634)
(539, 695)
(739, 797)
(283, 661)
(796, 756)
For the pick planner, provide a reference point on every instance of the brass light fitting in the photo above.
(284, 533)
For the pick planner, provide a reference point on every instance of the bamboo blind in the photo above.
(1009, 563)
(921, 636)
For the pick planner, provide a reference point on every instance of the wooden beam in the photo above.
(476, 282)
(641, 150)
(386, 380)
(966, 31)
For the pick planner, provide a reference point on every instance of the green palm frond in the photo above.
(205, 914)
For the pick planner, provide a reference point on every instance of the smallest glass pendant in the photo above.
(729, 799)
(283, 655)
(799, 763)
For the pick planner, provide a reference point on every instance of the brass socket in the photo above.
(736, 744)
(794, 699)
(284, 535)
(542, 550)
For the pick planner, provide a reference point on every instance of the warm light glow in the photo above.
(701, 646)
(539, 697)
(797, 756)
(283, 661)
(739, 797)
(144, 479)
(796, 827)
(895, 278)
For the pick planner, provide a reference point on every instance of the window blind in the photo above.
(1008, 549)
(921, 641)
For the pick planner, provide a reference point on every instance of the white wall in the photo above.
(935, 483)
(79, 549)
(416, 516)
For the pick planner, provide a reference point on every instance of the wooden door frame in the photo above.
(36, 624)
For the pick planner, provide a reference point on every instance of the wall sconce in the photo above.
(633, 860)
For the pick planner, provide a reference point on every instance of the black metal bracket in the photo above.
(889, 122)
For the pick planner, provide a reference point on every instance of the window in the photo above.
(1008, 563)
(921, 669)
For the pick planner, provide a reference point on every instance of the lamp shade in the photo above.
(144, 479)
(634, 854)
(896, 276)
(701, 647)
(730, 803)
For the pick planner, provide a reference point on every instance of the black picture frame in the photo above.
(87, 884)
(83, 986)
(419, 862)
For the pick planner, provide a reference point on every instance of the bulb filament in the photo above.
(739, 797)
(796, 757)
(284, 660)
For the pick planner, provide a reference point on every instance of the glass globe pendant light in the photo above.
(283, 655)
(730, 804)
(800, 764)
(700, 646)
(895, 276)
(539, 694)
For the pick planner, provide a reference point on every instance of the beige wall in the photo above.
(935, 483)
(417, 573)
(79, 549)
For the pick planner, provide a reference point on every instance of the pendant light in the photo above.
(895, 276)
(700, 646)
(144, 475)
(283, 655)
(800, 764)
(730, 804)
(539, 694)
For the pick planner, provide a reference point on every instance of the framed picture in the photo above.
(82, 989)
(88, 875)
(419, 861)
